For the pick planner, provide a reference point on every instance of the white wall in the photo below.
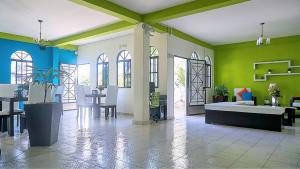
(166, 45)
(159, 41)
(89, 54)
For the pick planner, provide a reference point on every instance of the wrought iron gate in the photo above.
(69, 82)
(196, 86)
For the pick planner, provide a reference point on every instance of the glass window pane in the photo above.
(120, 74)
(84, 74)
(13, 67)
(100, 70)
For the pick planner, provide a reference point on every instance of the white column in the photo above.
(141, 63)
(170, 87)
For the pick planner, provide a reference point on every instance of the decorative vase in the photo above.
(267, 102)
(275, 101)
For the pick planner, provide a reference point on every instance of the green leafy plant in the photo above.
(220, 90)
(274, 90)
(22, 90)
(46, 77)
(269, 71)
(181, 76)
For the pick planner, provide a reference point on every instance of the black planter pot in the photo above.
(217, 99)
(43, 123)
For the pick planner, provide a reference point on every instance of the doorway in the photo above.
(180, 81)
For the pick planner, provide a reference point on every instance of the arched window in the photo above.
(102, 66)
(124, 69)
(208, 71)
(21, 67)
(195, 56)
(154, 65)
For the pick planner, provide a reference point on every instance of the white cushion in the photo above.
(246, 102)
(296, 104)
(234, 107)
(236, 90)
(111, 95)
(8, 90)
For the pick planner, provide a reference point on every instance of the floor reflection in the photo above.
(187, 142)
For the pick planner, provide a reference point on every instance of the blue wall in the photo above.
(51, 57)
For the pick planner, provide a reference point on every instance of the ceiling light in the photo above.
(261, 39)
(41, 42)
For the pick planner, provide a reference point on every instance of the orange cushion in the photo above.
(240, 93)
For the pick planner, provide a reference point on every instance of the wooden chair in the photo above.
(8, 90)
(110, 101)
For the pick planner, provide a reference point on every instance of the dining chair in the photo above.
(82, 101)
(57, 95)
(8, 90)
(110, 101)
(36, 94)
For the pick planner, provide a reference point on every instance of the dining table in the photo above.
(96, 100)
(11, 113)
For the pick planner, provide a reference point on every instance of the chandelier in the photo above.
(261, 39)
(41, 42)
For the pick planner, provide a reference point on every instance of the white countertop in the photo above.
(233, 106)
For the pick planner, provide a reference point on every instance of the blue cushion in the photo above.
(247, 96)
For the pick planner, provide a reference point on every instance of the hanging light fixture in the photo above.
(261, 40)
(41, 42)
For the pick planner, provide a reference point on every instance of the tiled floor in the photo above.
(182, 143)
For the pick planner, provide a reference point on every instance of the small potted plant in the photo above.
(43, 118)
(100, 88)
(289, 70)
(269, 71)
(220, 93)
(266, 100)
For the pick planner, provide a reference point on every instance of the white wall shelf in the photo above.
(265, 76)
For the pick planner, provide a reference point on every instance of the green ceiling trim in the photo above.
(111, 9)
(27, 39)
(274, 41)
(69, 47)
(161, 28)
(19, 38)
(115, 27)
(132, 17)
(188, 9)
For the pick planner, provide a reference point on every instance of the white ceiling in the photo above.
(105, 37)
(61, 18)
(146, 6)
(240, 22)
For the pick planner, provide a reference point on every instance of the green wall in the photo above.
(234, 66)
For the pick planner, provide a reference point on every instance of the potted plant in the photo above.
(289, 70)
(269, 71)
(274, 92)
(22, 90)
(100, 88)
(43, 118)
(266, 100)
(220, 93)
